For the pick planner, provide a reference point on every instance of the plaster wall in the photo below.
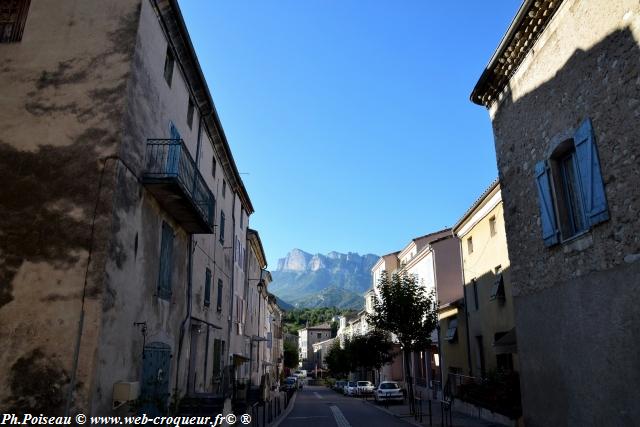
(491, 316)
(63, 88)
(576, 303)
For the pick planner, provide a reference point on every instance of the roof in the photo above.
(320, 326)
(530, 21)
(176, 29)
(256, 245)
(432, 234)
(477, 203)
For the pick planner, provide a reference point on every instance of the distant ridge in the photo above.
(332, 280)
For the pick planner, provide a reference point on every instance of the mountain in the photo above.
(332, 280)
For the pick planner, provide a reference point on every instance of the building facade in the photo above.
(562, 92)
(123, 258)
(307, 338)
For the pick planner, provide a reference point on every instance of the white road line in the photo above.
(339, 417)
(318, 395)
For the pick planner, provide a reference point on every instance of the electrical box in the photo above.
(124, 392)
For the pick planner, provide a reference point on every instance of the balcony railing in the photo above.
(171, 175)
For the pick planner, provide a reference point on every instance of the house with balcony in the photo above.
(562, 93)
(122, 273)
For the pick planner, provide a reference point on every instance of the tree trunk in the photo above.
(408, 379)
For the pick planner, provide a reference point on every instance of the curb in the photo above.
(285, 414)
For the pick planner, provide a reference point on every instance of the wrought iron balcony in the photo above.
(171, 175)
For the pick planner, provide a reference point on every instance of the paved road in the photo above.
(318, 406)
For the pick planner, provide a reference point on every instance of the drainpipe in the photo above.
(233, 273)
(466, 309)
(189, 278)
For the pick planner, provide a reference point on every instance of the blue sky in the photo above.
(351, 120)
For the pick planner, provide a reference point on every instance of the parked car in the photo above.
(339, 386)
(351, 389)
(290, 383)
(388, 391)
(365, 387)
(300, 373)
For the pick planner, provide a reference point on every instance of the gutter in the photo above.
(189, 279)
(506, 39)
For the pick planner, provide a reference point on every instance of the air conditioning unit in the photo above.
(124, 392)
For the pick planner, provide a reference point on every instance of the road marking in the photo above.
(339, 417)
(318, 395)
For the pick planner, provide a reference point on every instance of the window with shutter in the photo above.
(571, 192)
(221, 227)
(207, 288)
(166, 264)
(219, 299)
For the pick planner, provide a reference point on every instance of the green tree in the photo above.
(291, 356)
(337, 360)
(406, 309)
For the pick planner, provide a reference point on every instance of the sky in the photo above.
(350, 121)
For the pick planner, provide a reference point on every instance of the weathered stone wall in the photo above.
(61, 107)
(576, 303)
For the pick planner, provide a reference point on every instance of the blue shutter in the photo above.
(593, 195)
(174, 131)
(221, 227)
(166, 265)
(545, 200)
(207, 288)
(156, 371)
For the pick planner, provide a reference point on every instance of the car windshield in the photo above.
(388, 386)
(363, 383)
(352, 384)
(290, 381)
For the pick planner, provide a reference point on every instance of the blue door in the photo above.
(156, 367)
(173, 154)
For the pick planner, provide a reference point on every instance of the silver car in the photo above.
(351, 389)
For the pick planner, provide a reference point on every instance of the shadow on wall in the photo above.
(576, 310)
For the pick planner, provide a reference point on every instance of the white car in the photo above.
(388, 391)
(365, 387)
(351, 389)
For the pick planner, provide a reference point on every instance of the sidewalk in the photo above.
(458, 420)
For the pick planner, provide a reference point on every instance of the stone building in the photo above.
(563, 94)
(123, 213)
(307, 337)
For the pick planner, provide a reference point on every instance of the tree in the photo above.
(370, 351)
(406, 309)
(337, 360)
(291, 356)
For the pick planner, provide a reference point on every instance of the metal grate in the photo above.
(13, 16)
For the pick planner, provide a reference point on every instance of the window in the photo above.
(166, 264)
(222, 227)
(168, 66)
(319, 335)
(13, 16)
(474, 284)
(571, 192)
(219, 299)
(241, 218)
(470, 245)
(207, 288)
(452, 330)
(497, 291)
(224, 188)
(190, 113)
(492, 226)
(213, 166)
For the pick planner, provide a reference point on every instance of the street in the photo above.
(320, 406)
